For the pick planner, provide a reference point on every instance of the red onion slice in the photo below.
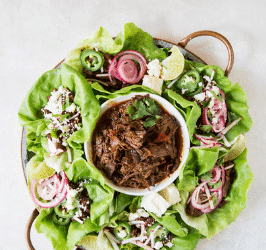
(219, 194)
(127, 70)
(216, 173)
(122, 67)
(222, 177)
(60, 192)
(194, 196)
(219, 117)
(48, 188)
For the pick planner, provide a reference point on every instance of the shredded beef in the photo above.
(132, 155)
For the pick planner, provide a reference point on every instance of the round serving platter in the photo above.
(188, 55)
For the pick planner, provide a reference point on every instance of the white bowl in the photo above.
(186, 145)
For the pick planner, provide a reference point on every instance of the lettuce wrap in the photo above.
(235, 98)
(66, 237)
(31, 117)
(212, 223)
(131, 38)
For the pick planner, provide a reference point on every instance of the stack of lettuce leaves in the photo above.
(106, 209)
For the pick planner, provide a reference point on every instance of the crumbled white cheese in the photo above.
(184, 91)
(200, 84)
(171, 194)
(207, 78)
(142, 213)
(215, 119)
(122, 234)
(209, 94)
(54, 104)
(154, 68)
(155, 203)
(153, 83)
(200, 97)
(71, 108)
(169, 244)
(216, 90)
(187, 79)
(158, 245)
(133, 216)
(211, 103)
(70, 199)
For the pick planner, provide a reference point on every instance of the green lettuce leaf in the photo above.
(216, 221)
(170, 222)
(57, 234)
(77, 231)
(100, 194)
(66, 237)
(103, 95)
(31, 117)
(199, 161)
(130, 38)
(189, 110)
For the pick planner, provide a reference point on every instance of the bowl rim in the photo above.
(186, 145)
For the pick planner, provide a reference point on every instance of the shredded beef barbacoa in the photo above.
(132, 155)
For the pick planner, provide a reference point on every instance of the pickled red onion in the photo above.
(47, 189)
(124, 68)
(59, 192)
(220, 114)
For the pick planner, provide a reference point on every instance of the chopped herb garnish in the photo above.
(66, 104)
(205, 128)
(54, 133)
(63, 117)
(217, 97)
(207, 176)
(216, 185)
(231, 117)
(206, 103)
(145, 108)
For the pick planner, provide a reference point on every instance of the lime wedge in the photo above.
(236, 149)
(173, 65)
(89, 242)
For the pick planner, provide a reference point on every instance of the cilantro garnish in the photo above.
(53, 133)
(207, 176)
(217, 97)
(63, 117)
(205, 128)
(216, 185)
(145, 108)
(66, 103)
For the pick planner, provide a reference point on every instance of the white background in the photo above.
(36, 35)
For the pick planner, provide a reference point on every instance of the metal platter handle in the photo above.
(183, 43)
(33, 216)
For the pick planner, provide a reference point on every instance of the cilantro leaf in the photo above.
(207, 176)
(141, 110)
(217, 97)
(66, 104)
(147, 108)
(216, 185)
(53, 133)
(131, 110)
(149, 122)
(205, 128)
(152, 106)
(63, 117)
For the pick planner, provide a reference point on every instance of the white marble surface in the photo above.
(36, 34)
